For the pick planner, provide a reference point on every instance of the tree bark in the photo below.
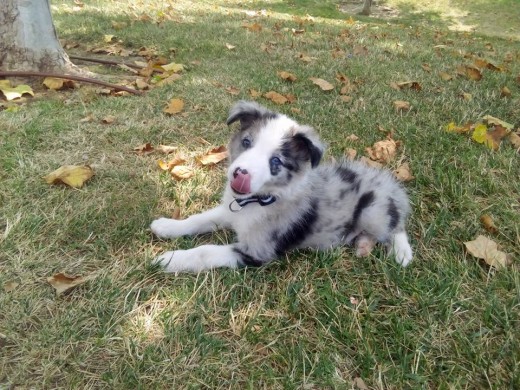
(28, 39)
(366, 7)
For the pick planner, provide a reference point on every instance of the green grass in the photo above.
(448, 321)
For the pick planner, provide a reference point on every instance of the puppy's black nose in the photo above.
(239, 170)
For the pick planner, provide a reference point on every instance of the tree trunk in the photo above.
(28, 39)
(366, 7)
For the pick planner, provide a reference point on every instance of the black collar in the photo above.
(262, 200)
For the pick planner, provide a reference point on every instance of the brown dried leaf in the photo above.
(146, 148)
(166, 149)
(407, 84)
(515, 140)
(62, 282)
(445, 76)
(175, 106)
(487, 222)
(233, 91)
(371, 163)
(403, 173)
(10, 286)
(181, 172)
(346, 99)
(58, 83)
(350, 154)
(505, 92)
(401, 105)
(486, 249)
(383, 151)
(426, 67)
(352, 137)
(254, 93)
(255, 27)
(276, 97)
(287, 76)
(109, 119)
(214, 156)
(323, 84)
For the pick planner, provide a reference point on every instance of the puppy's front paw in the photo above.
(166, 228)
(173, 261)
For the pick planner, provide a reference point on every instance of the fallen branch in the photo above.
(70, 77)
(105, 62)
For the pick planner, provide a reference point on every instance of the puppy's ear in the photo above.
(306, 146)
(248, 112)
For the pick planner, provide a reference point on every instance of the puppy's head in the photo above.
(270, 151)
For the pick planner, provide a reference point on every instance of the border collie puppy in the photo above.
(278, 197)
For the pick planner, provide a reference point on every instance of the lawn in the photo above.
(312, 320)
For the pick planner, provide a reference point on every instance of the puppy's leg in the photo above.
(364, 245)
(205, 222)
(401, 249)
(204, 258)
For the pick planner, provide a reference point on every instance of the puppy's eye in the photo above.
(275, 161)
(246, 143)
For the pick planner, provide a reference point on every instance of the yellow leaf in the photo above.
(62, 282)
(108, 38)
(166, 149)
(480, 133)
(168, 165)
(486, 249)
(401, 105)
(515, 140)
(323, 84)
(173, 67)
(53, 83)
(175, 106)
(71, 175)
(11, 93)
(230, 47)
(146, 148)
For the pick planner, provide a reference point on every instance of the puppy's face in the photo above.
(269, 152)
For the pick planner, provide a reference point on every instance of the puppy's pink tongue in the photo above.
(241, 183)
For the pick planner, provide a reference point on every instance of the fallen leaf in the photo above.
(360, 50)
(403, 173)
(166, 149)
(173, 67)
(255, 27)
(350, 154)
(383, 151)
(492, 121)
(233, 91)
(487, 222)
(354, 301)
(276, 97)
(62, 282)
(11, 93)
(305, 58)
(360, 383)
(346, 99)
(230, 47)
(118, 25)
(371, 163)
(401, 105)
(108, 38)
(515, 140)
(71, 175)
(466, 96)
(323, 84)
(55, 83)
(10, 286)
(88, 118)
(352, 137)
(168, 80)
(169, 165)
(214, 156)
(287, 76)
(175, 106)
(146, 148)
(108, 119)
(407, 84)
(469, 71)
(181, 172)
(453, 128)
(486, 249)
(445, 76)
(254, 93)
(141, 84)
(176, 213)
(505, 92)
(426, 67)
(491, 137)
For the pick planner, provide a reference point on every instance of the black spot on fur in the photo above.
(344, 192)
(364, 201)
(347, 175)
(249, 112)
(393, 213)
(246, 259)
(298, 231)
